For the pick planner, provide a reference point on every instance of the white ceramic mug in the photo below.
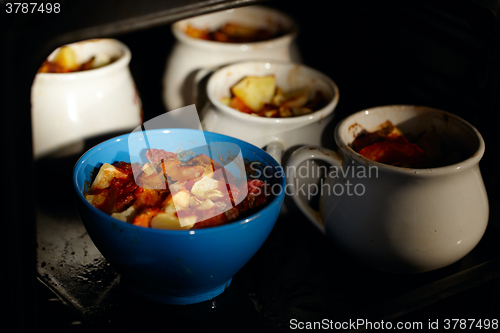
(393, 218)
(69, 107)
(192, 59)
(277, 134)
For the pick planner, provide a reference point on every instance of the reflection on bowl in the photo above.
(176, 266)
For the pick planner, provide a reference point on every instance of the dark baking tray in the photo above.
(298, 274)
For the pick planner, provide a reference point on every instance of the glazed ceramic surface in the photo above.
(400, 219)
(68, 107)
(176, 266)
(280, 133)
(191, 59)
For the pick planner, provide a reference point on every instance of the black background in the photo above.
(442, 54)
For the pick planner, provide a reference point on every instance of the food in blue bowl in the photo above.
(196, 208)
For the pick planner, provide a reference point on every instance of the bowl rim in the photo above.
(314, 116)
(276, 200)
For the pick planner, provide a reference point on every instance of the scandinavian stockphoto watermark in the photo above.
(227, 155)
(446, 324)
(311, 180)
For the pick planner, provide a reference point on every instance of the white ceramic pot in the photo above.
(69, 107)
(393, 218)
(192, 59)
(277, 134)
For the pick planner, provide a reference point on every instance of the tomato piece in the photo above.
(120, 195)
(156, 156)
(146, 197)
(395, 152)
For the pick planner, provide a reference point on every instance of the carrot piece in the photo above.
(143, 219)
(238, 104)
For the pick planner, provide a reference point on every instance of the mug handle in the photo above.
(299, 156)
(276, 149)
(197, 76)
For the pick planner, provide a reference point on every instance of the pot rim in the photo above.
(122, 61)
(467, 163)
(239, 47)
(314, 116)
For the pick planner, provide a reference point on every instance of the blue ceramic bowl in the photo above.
(176, 266)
